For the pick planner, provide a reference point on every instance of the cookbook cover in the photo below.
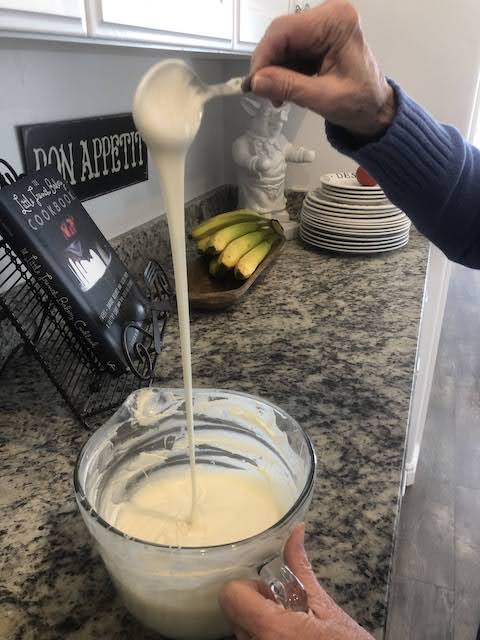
(53, 235)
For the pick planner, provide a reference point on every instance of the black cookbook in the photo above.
(53, 235)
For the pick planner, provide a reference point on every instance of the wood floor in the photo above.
(436, 578)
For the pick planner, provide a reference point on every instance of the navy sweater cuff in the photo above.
(389, 158)
(429, 171)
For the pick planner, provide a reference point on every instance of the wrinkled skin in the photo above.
(254, 615)
(319, 60)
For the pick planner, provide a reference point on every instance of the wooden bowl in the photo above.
(206, 293)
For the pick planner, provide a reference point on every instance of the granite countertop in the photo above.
(330, 339)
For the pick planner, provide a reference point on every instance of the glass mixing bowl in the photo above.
(174, 590)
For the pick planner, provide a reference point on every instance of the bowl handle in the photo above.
(284, 585)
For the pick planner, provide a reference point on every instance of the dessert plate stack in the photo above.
(344, 216)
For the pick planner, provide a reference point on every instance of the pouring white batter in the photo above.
(167, 109)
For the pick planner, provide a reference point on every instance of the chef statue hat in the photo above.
(262, 106)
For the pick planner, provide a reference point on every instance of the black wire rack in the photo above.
(90, 391)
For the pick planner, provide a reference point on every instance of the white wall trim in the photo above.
(435, 297)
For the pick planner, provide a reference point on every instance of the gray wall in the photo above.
(53, 81)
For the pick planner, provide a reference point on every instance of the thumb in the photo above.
(297, 559)
(285, 85)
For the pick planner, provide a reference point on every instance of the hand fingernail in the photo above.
(261, 84)
(247, 84)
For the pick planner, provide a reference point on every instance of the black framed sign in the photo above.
(95, 155)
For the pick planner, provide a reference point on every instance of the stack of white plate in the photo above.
(342, 215)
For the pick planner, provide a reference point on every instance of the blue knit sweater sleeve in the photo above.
(429, 171)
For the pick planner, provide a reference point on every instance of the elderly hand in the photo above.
(255, 616)
(320, 60)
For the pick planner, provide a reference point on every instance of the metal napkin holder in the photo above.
(87, 387)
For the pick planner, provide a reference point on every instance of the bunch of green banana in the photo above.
(236, 242)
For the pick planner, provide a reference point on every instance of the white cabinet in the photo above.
(176, 23)
(252, 19)
(210, 25)
(61, 17)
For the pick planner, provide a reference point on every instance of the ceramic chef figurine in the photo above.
(261, 156)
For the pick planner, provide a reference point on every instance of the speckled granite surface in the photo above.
(330, 339)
